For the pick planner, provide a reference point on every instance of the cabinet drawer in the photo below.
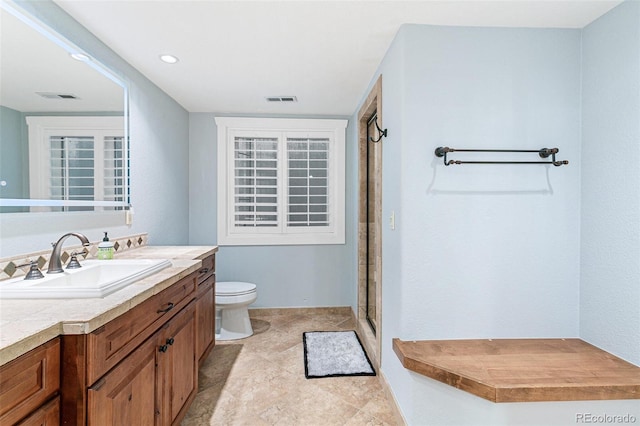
(208, 268)
(47, 415)
(109, 344)
(28, 381)
(206, 285)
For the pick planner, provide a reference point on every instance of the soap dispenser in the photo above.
(105, 249)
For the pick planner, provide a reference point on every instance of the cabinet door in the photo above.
(126, 395)
(29, 381)
(205, 314)
(177, 366)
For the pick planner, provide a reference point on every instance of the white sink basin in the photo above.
(96, 278)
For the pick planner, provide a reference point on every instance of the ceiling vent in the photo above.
(282, 99)
(48, 95)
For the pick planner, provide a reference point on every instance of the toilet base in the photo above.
(233, 323)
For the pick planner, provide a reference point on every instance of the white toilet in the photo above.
(232, 313)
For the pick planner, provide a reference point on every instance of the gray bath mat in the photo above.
(334, 354)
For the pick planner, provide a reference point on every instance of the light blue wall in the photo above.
(159, 131)
(481, 251)
(15, 155)
(287, 276)
(490, 250)
(610, 267)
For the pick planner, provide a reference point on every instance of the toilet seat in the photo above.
(234, 288)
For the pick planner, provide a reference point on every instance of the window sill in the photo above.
(280, 239)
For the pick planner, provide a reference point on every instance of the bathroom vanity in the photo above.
(129, 358)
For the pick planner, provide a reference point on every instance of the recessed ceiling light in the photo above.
(169, 59)
(80, 57)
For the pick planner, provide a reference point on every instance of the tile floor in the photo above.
(260, 380)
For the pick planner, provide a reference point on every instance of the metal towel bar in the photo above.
(543, 153)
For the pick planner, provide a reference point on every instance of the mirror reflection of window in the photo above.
(77, 159)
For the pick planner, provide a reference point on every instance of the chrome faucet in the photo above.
(55, 263)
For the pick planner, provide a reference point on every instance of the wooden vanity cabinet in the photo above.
(155, 384)
(138, 369)
(110, 343)
(205, 309)
(29, 387)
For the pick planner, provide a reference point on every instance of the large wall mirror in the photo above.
(63, 124)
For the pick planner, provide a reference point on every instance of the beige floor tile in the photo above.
(357, 391)
(260, 380)
(363, 419)
(306, 404)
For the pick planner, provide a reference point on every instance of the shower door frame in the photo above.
(371, 340)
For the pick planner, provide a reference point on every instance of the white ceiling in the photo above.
(233, 54)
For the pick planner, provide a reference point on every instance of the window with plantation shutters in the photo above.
(76, 160)
(280, 181)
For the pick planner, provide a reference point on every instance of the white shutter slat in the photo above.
(255, 182)
(114, 179)
(71, 169)
(308, 182)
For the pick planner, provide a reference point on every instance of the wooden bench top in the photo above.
(523, 370)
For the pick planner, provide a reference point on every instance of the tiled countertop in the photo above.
(26, 324)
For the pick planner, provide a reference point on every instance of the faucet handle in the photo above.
(73, 263)
(34, 272)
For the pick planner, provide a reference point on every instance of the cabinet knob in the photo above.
(163, 348)
(170, 341)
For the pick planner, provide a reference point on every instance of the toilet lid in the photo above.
(234, 288)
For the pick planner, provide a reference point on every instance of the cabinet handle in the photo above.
(167, 309)
(163, 348)
(203, 270)
(98, 384)
(170, 341)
